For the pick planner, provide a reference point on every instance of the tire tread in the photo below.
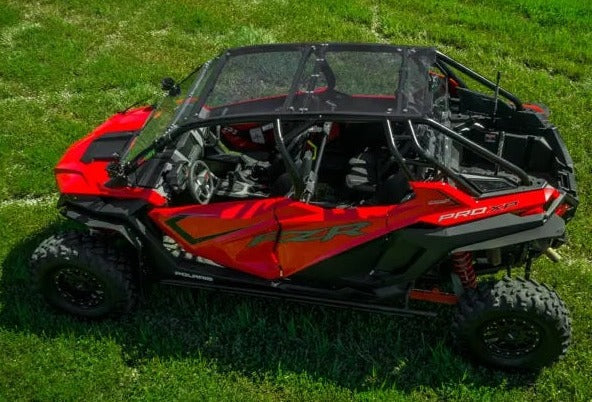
(518, 294)
(87, 249)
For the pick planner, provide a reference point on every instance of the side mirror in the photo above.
(168, 84)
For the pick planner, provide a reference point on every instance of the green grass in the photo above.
(66, 65)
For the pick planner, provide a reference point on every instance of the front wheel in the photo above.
(83, 275)
(512, 324)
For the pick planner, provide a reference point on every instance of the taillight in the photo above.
(563, 209)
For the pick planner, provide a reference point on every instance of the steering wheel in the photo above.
(201, 182)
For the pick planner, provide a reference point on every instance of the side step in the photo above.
(280, 294)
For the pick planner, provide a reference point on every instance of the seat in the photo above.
(394, 190)
(366, 178)
(363, 172)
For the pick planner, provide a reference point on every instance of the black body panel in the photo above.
(107, 147)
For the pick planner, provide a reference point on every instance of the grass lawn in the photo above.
(67, 65)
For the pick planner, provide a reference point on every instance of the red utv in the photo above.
(350, 175)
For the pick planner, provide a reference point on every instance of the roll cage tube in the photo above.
(486, 154)
(311, 179)
(395, 150)
(483, 152)
(449, 172)
(478, 77)
(297, 180)
(448, 71)
(304, 184)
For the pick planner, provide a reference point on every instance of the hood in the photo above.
(82, 168)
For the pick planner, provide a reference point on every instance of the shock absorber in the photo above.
(462, 263)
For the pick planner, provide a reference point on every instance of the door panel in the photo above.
(310, 233)
(226, 232)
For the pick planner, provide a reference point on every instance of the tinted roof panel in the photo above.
(316, 78)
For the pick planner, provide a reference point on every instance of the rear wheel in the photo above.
(513, 323)
(83, 275)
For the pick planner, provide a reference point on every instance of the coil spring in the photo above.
(463, 267)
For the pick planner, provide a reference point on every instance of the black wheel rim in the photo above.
(511, 337)
(79, 288)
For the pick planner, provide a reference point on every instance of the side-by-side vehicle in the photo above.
(365, 176)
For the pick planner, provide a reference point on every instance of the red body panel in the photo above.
(311, 233)
(464, 208)
(278, 237)
(78, 178)
(224, 233)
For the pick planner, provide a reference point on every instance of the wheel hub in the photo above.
(511, 337)
(79, 288)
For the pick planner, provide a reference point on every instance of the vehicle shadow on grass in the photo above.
(263, 338)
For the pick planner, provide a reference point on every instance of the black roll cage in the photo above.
(298, 180)
(446, 64)
(443, 62)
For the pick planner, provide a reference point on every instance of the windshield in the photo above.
(349, 79)
(167, 112)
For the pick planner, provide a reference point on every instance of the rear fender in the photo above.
(432, 245)
(554, 227)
